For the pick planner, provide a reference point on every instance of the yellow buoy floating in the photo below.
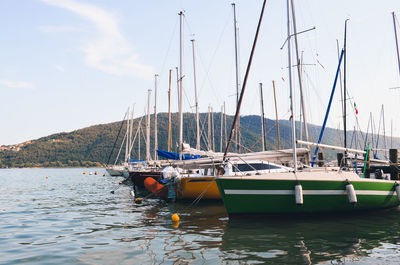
(175, 217)
(138, 200)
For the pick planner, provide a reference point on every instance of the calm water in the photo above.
(71, 218)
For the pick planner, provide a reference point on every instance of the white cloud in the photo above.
(15, 84)
(109, 51)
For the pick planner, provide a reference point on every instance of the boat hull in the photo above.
(259, 196)
(114, 172)
(198, 187)
(138, 177)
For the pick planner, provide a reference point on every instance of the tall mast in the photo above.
(130, 134)
(391, 133)
(303, 109)
(180, 86)
(169, 113)
(155, 117)
(209, 128)
(225, 124)
(397, 43)
(221, 127)
(345, 91)
(253, 48)
(276, 114)
(264, 147)
(127, 136)
(237, 129)
(291, 91)
(148, 157)
(212, 129)
(340, 76)
(196, 98)
(139, 128)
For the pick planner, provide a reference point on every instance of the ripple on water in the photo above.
(72, 218)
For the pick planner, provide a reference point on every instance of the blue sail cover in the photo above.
(175, 156)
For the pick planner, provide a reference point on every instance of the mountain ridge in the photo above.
(91, 146)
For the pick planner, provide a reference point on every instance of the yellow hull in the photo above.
(193, 187)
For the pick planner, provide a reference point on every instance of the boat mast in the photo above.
(340, 76)
(209, 128)
(180, 86)
(116, 139)
(237, 129)
(397, 43)
(131, 142)
(391, 133)
(303, 108)
(196, 98)
(263, 140)
(276, 115)
(127, 136)
(291, 92)
(140, 128)
(225, 134)
(148, 157)
(344, 93)
(244, 82)
(169, 113)
(221, 127)
(155, 117)
(212, 129)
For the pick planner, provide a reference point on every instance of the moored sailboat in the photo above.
(305, 190)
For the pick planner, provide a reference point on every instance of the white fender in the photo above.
(397, 188)
(298, 192)
(351, 193)
(133, 194)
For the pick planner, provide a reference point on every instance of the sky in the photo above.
(69, 64)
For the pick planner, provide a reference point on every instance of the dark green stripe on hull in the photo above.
(242, 203)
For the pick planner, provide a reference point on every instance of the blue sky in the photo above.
(68, 64)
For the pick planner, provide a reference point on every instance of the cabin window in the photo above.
(253, 166)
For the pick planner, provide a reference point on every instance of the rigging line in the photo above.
(115, 142)
(169, 48)
(242, 146)
(315, 90)
(270, 129)
(244, 81)
(379, 130)
(207, 76)
(202, 131)
(134, 138)
(120, 148)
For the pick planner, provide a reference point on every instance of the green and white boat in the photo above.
(309, 191)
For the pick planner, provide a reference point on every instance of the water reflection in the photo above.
(70, 218)
(310, 240)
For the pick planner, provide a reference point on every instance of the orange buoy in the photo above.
(95, 172)
(175, 218)
(156, 188)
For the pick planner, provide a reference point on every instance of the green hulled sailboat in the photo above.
(307, 189)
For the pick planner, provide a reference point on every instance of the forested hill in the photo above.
(92, 146)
